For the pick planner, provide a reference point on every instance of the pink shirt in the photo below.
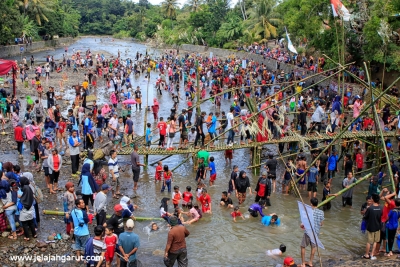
(356, 109)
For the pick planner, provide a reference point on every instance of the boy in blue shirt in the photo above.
(148, 136)
(271, 219)
(312, 181)
(213, 171)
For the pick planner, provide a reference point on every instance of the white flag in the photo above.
(290, 45)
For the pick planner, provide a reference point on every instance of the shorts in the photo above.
(114, 183)
(99, 130)
(121, 136)
(228, 154)
(213, 177)
(285, 182)
(347, 201)
(312, 187)
(109, 255)
(148, 143)
(136, 173)
(306, 241)
(272, 176)
(138, 101)
(46, 171)
(374, 237)
(184, 135)
(80, 242)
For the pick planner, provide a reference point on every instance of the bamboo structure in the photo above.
(344, 190)
(61, 213)
(343, 131)
(378, 125)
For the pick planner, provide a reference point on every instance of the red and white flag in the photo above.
(340, 10)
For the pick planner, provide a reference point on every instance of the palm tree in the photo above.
(169, 8)
(195, 5)
(29, 28)
(263, 22)
(230, 29)
(37, 8)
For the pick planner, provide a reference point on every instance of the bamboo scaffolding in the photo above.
(345, 130)
(378, 125)
(344, 190)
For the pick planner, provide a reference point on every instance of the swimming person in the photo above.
(271, 219)
(256, 208)
(276, 252)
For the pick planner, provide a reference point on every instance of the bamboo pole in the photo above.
(344, 190)
(345, 129)
(363, 82)
(378, 125)
(201, 101)
(61, 213)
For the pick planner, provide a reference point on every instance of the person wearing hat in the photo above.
(116, 220)
(100, 204)
(263, 189)
(128, 244)
(175, 250)
(69, 203)
(289, 262)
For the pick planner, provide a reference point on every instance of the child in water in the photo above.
(270, 220)
(276, 252)
(236, 213)
(154, 227)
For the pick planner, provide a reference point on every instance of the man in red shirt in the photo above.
(162, 127)
(388, 197)
(205, 201)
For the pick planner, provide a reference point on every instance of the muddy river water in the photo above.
(215, 240)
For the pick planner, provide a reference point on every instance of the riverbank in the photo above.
(214, 240)
(27, 49)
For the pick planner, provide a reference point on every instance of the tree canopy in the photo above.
(372, 34)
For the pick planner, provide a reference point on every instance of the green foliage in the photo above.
(122, 34)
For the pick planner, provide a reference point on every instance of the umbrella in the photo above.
(129, 102)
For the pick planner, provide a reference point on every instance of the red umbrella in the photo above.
(129, 102)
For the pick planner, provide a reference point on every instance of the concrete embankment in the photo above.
(14, 50)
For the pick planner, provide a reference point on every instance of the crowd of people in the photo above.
(286, 103)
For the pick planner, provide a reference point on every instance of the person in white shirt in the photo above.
(230, 127)
(112, 125)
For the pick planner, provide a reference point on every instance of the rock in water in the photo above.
(158, 252)
(5, 234)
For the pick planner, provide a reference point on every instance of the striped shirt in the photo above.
(113, 165)
(318, 216)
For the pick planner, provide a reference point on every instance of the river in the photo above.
(215, 240)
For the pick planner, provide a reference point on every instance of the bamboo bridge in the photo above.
(222, 147)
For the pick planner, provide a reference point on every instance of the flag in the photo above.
(290, 45)
(339, 9)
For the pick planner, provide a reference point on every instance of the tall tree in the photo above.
(38, 9)
(169, 8)
(263, 22)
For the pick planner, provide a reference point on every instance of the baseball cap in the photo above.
(105, 187)
(130, 224)
(357, 97)
(118, 207)
(289, 261)
(264, 173)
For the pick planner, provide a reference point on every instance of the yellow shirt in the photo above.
(85, 84)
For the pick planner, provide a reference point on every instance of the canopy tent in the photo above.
(5, 67)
